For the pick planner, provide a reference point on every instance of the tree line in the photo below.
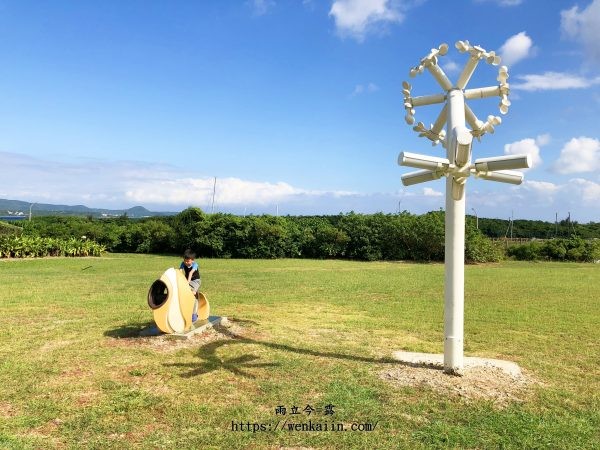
(538, 229)
(367, 237)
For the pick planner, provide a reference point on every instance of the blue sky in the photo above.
(294, 106)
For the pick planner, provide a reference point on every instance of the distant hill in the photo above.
(18, 208)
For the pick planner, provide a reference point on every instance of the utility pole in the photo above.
(212, 208)
(476, 219)
(511, 224)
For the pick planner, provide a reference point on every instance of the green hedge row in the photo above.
(572, 249)
(349, 236)
(35, 246)
(366, 237)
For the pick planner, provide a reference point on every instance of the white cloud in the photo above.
(583, 26)
(539, 200)
(429, 192)
(579, 155)
(587, 190)
(553, 81)
(261, 7)
(535, 194)
(228, 191)
(100, 183)
(543, 139)
(356, 18)
(528, 146)
(541, 187)
(159, 187)
(516, 48)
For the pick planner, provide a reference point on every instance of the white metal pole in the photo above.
(457, 168)
(454, 247)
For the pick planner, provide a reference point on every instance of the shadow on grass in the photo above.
(131, 330)
(210, 361)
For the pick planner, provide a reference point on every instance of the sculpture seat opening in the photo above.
(158, 294)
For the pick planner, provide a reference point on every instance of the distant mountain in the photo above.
(18, 208)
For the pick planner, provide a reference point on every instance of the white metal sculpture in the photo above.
(457, 139)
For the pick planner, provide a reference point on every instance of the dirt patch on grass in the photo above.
(7, 410)
(166, 343)
(86, 398)
(477, 383)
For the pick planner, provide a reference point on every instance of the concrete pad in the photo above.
(197, 328)
(436, 361)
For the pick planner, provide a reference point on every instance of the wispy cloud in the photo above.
(501, 2)
(450, 66)
(538, 199)
(553, 81)
(122, 184)
(261, 7)
(229, 192)
(541, 187)
(309, 4)
(583, 27)
(364, 89)
(586, 192)
(517, 48)
(429, 192)
(589, 191)
(357, 18)
(117, 184)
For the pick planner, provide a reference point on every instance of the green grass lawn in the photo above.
(73, 374)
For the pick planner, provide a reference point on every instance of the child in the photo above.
(192, 274)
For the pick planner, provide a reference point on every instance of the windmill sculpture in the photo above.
(457, 139)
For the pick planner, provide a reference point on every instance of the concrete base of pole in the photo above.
(436, 361)
(453, 355)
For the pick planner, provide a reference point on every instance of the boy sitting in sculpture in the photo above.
(192, 275)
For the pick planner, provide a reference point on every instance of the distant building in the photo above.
(13, 217)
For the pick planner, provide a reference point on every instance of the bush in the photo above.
(481, 249)
(7, 229)
(526, 252)
(571, 249)
(34, 246)
(428, 231)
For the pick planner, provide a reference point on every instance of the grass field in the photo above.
(73, 374)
